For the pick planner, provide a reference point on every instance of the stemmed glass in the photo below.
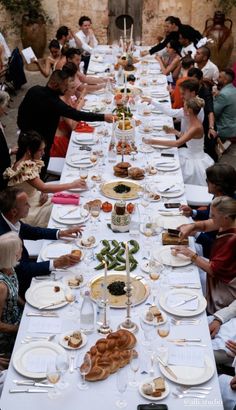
(70, 296)
(53, 376)
(83, 364)
(62, 365)
(121, 384)
(95, 212)
(83, 174)
(147, 330)
(155, 269)
(134, 365)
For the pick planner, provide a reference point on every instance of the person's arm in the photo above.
(5, 327)
(198, 226)
(34, 232)
(175, 143)
(220, 102)
(159, 47)
(66, 111)
(47, 188)
(169, 68)
(46, 68)
(227, 313)
(77, 39)
(92, 39)
(85, 46)
(195, 258)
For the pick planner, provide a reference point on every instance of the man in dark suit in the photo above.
(14, 206)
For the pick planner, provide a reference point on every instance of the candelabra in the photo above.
(104, 328)
(128, 324)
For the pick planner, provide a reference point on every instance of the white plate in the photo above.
(191, 376)
(42, 294)
(151, 398)
(77, 140)
(59, 211)
(39, 349)
(179, 311)
(145, 149)
(94, 123)
(67, 248)
(159, 146)
(172, 194)
(168, 222)
(74, 161)
(66, 279)
(153, 322)
(64, 343)
(168, 167)
(164, 256)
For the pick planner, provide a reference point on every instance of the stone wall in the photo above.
(67, 12)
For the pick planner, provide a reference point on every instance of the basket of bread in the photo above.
(110, 354)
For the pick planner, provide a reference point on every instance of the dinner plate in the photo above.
(191, 376)
(151, 398)
(140, 289)
(64, 343)
(74, 161)
(182, 294)
(81, 141)
(28, 354)
(165, 256)
(159, 146)
(87, 247)
(145, 149)
(47, 292)
(169, 222)
(56, 249)
(70, 219)
(168, 166)
(108, 189)
(153, 322)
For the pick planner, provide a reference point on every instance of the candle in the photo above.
(113, 126)
(105, 281)
(131, 33)
(125, 85)
(125, 28)
(127, 262)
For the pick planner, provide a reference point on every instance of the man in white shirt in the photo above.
(203, 62)
(86, 35)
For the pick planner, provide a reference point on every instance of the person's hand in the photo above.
(71, 232)
(110, 117)
(158, 58)
(66, 261)
(183, 250)
(214, 328)
(233, 383)
(231, 345)
(13, 150)
(212, 133)
(78, 183)
(4, 363)
(144, 53)
(146, 141)
(169, 130)
(43, 198)
(80, 103)
(186, 210)
(34, 60)
(186, 230)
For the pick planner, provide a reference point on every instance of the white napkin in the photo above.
(182, 277)
(172, 300)
(58, 249)
(72, 215)
(44, 325)
(192, 356)
(163, 186)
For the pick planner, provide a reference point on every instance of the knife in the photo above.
(185, 301)
(184, 340)
(186, 286)
(167, 189)
(28, 391)
(52, 304)
(69, 212)
(168, 369)
(43, 314)
(32, 383)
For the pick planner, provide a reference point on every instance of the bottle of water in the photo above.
(120, 76)
(87, 315)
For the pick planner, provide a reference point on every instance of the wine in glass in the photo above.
(83, 364)
(62, 365)
(163, 329)
(93, 158)
(95, 212)
(121, 384)
(155, 269)
(70, 297)
(53, 376)
(134, 365)
(83, 174)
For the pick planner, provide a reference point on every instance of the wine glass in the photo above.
(83, 174)
(95, 212)
(62, 365)
(147, 332)
(93, 158)
(83, 364)
(163, 331)
(70, 296)
(155, 270)
(134, 365)
(53, 376)
(121, 384)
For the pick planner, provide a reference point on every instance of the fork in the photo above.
(187, 395)
(178, 322)
(29, 339)
(198, 390)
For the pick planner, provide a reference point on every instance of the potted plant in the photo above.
(30, 17)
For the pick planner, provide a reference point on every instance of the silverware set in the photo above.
(187, 322)
(199, 392)
(29, 339)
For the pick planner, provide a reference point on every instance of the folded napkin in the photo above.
(97, 59)
(163, 186)
(66, 199)
(83, 127)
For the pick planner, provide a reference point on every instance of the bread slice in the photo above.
(155, 311)
(159, 383)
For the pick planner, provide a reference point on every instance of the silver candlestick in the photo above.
(128, 324)
(104, 328)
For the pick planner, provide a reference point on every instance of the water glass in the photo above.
(134, 366)
(62, 365)
(53, 376)
(83, 364)
(121, 384)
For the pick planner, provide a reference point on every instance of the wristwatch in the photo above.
(194, 257)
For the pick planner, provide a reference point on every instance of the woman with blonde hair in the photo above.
(193, 160)
(10, 302)
(221, 267)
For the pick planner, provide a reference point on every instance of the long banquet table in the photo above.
(102, 395)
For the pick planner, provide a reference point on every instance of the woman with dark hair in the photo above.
(171, 65)
(25, 174)
(221, 180)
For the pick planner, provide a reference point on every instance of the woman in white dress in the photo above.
(193, 159)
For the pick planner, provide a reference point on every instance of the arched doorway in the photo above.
(120, 9)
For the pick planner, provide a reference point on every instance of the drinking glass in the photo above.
(53, 376)
(83, 174)
(95, 212)
(155, 270)
(147, 331)
(93, 158)
(134, 365)
(70, 296)
(121, 384)
(62, 365)
(83, 364)
(163, 331)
